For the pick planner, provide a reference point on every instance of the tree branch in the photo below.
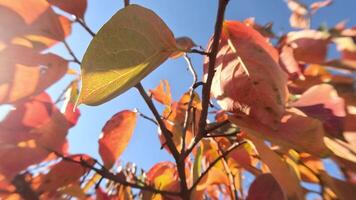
(211, 72)
(223, 155)
(85, 26)
(70, 51)
(169, 142)
(117, 179)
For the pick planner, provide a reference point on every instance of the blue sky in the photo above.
(193, 18)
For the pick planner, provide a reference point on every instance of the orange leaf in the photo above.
(32, 20)
(309, 46)
(116, 135)
(74, 7)
(248, 77)
(287, 179)
(25, 139)
(24, 73)
(296, 131)
(162, 93)
(64, 173)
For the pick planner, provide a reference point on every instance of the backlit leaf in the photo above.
(133, 43)
(116, 135)
(25, 73)
(287, 179)
(248, 77)
(64, 173)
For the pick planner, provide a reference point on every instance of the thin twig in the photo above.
(117, 179)
(223, 155)
(191, 99)
(219, 135)
(126, 3)
(85, 26)
(70, 51)
(198, 52)
(229, 174)
(147, 117)
(211, 71)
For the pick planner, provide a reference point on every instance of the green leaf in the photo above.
(133, 43)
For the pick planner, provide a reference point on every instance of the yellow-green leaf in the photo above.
(133, 43)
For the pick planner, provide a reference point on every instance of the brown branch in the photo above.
(85, 26)
(198, 52)
(70, 51)
(180, 161)
(223, 155)
(126, 3)
(147, 117)
(211, 72)
(117, 179)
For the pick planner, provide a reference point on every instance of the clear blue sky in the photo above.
(193, 18)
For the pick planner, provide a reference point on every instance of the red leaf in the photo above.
(25, 140)
(74, 7)
(309, 46)
(296, 131)
(322, 102)
(265, 187)
(116, 135)
(248, 78)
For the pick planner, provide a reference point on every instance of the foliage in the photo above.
(281, 107)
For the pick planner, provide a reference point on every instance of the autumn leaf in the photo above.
(309, 46)
(300, 15)
(26, 140)
(265, 186)
(74, 7)
(162, 93)
(33, 22)
(64, 173)
(25, 73)
(163, 176)
(320, 4)
(322, 102)
(70, 111)
(116, 135)
(112, 65)
(286, 178)
(296, 131)
(248, 77)
(184, 44)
